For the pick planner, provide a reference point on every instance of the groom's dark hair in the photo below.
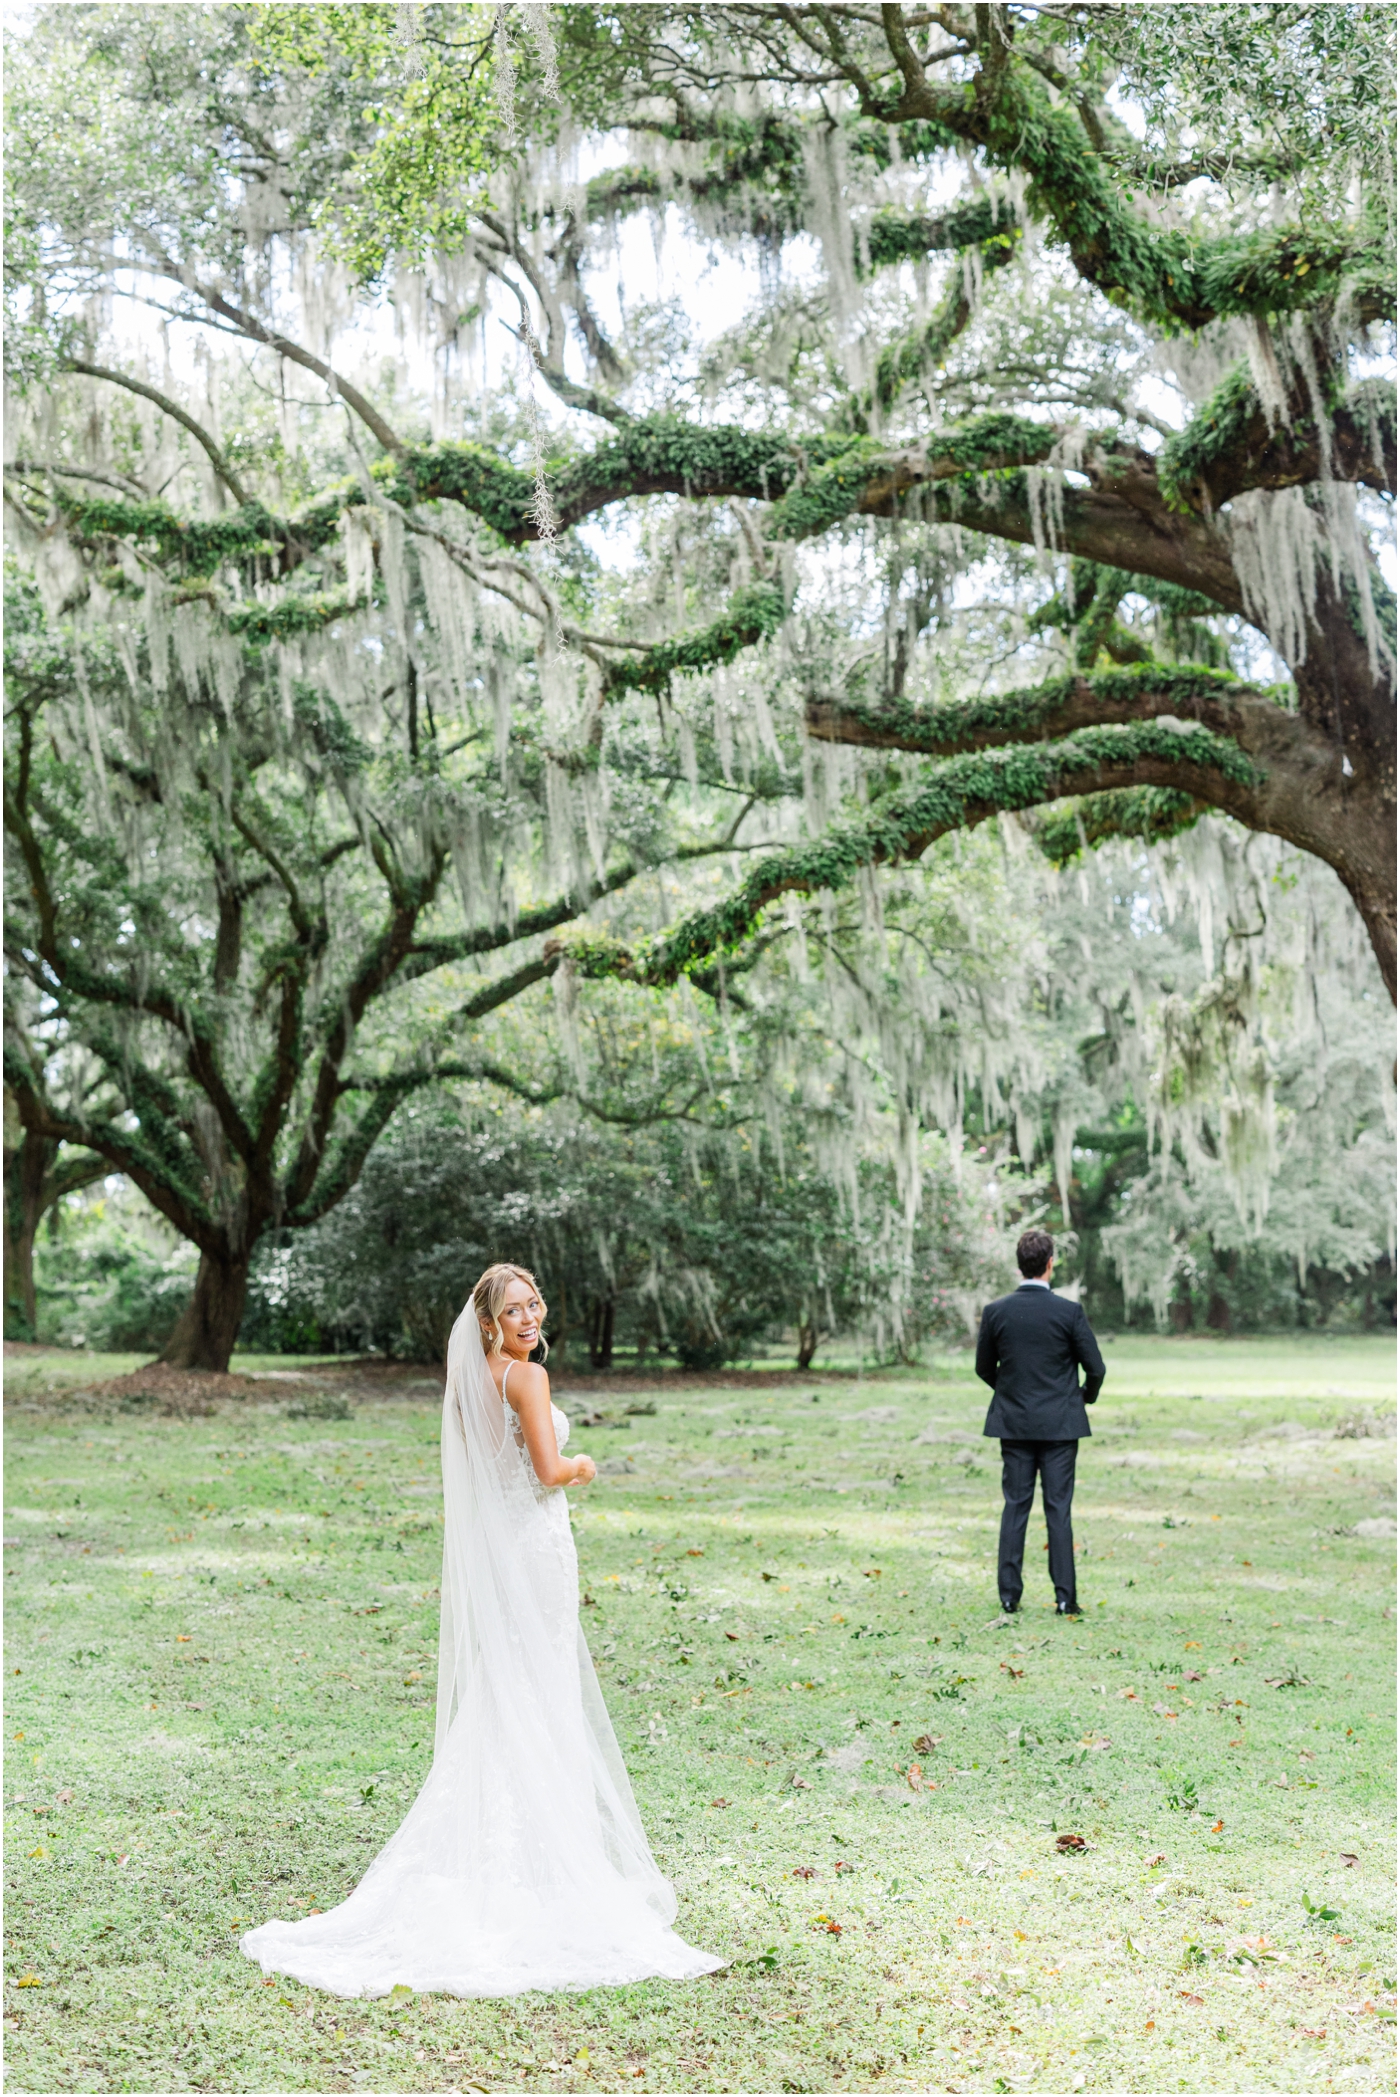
(1033, 1250)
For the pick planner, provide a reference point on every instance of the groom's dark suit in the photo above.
(1030, 1350)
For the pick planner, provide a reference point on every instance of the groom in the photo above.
(1030, 1350)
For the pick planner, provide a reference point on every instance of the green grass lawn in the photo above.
(221, 1642)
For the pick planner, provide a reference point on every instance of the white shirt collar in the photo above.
(1032, 1282)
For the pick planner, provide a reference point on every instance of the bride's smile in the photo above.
(518, 1323)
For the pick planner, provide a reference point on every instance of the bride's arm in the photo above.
(528, 1392)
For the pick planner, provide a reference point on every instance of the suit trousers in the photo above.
(1019, 1463)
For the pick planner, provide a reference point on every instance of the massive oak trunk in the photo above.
(1347, 697)
(208, 1326)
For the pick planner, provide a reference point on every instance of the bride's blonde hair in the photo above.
(489, 1295)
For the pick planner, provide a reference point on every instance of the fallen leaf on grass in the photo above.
(719, 1802)
(825, 1922)
(1016, 1673)
(1309, 2033)
(804, 1871)
(1352, 1862)
(1068, 1844)
(1158, 1857)
(733, 1637)
(1194, 1675)
(1196, 2002)
(64, 1798)
(29, 1980)
(873, 1572)
(926, 1743)
(1219, 1828)
(914, 1777)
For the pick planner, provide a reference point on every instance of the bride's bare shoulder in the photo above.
(527, 1384)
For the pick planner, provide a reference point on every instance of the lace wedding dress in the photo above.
(522, 1863)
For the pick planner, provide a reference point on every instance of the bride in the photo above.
(522, 1862)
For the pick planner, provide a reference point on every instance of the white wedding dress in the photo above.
(522, 1863)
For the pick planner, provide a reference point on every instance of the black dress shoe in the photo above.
(1010, 1608)
(1073, 1610)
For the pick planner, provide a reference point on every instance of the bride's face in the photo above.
(520, 1316)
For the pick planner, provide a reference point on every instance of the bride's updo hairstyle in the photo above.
(489, 1295)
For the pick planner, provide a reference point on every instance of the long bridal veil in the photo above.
(522, 1863)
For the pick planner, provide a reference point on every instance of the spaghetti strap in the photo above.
(504, 1374)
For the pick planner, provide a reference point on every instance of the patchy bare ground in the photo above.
(37, 1374)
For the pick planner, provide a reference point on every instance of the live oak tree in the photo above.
(280, 750)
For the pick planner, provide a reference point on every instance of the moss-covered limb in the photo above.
(1090, 613)
(954, 795)
(198, 547)
(306, 613)
(426, 955)
(813, 481)
(924, 348)
(968, 475)
(1089, 610)
(755, 171)
(620, 190)
(1172, 278)
(751, 616)
(1230, 445)
(1060, 707)
(867, 479)
(908, 236)
(1151, 813)
(655, 455)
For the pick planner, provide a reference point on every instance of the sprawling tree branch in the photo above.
(1059, 708)
(954, 795)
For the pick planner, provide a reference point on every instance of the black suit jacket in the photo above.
(1030, 1350)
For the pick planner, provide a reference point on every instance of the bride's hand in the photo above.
(586, 1473)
